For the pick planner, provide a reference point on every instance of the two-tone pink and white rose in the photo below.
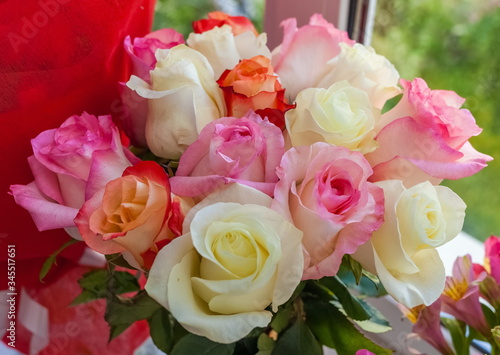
(245, 150)
(301, 59)
(425, 137)
(183, 97)
(142, 52)
(63, 163)
(324, 191)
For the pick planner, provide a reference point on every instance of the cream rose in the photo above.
(341, 115)
(402, 252)
(365, 70)
(224, 50)
(184, 98)
(236, 258)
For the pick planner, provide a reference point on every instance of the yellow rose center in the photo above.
(236, 249)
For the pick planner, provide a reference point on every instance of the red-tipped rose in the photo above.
(239, 24)
(252, 85)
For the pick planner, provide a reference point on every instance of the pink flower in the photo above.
(427, 324)
(301, 59)
(364, 352)
(62, 162)
(142, 53)
(129, 215)
(324, 191)
(142, 50)
(245, 150)
(425, 137)
(492, 257)
(461, 296)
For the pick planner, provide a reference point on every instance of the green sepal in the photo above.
(51, 260)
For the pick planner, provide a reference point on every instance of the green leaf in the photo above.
(354, 308)
(123, 282)
(369, 285)
(101, 284)
(84, 297)
(179, 331)
(377, 322)
(51, 260)
(457, 331)
(123, 312)
(194, 344)
(298, 339)
(334, 330)
(129, 310)
(94, 280)
(161, 330)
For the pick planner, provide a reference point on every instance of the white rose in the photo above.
(341, 115)
(234, 260)
(365, 70)
(184, 98)
(402, 252)
(224, 50)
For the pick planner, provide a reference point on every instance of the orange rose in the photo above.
(239, 24)
(131, 215)
(252, 85)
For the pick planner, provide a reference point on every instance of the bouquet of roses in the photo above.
(263, 195)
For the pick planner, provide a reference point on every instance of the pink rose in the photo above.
(245, 150)
(130, 215)
(142, 53)
(62, 162)
(300, 60)
(324, 191)
(425, 137)
(142, 50)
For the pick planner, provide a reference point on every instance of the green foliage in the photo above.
(194, 344)
(457, 331)
(123, 312)
(454, 45)
(335, 330)
(103, 284)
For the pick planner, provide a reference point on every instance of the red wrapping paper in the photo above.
(58, 58)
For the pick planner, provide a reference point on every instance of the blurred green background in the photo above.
(453, 45)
